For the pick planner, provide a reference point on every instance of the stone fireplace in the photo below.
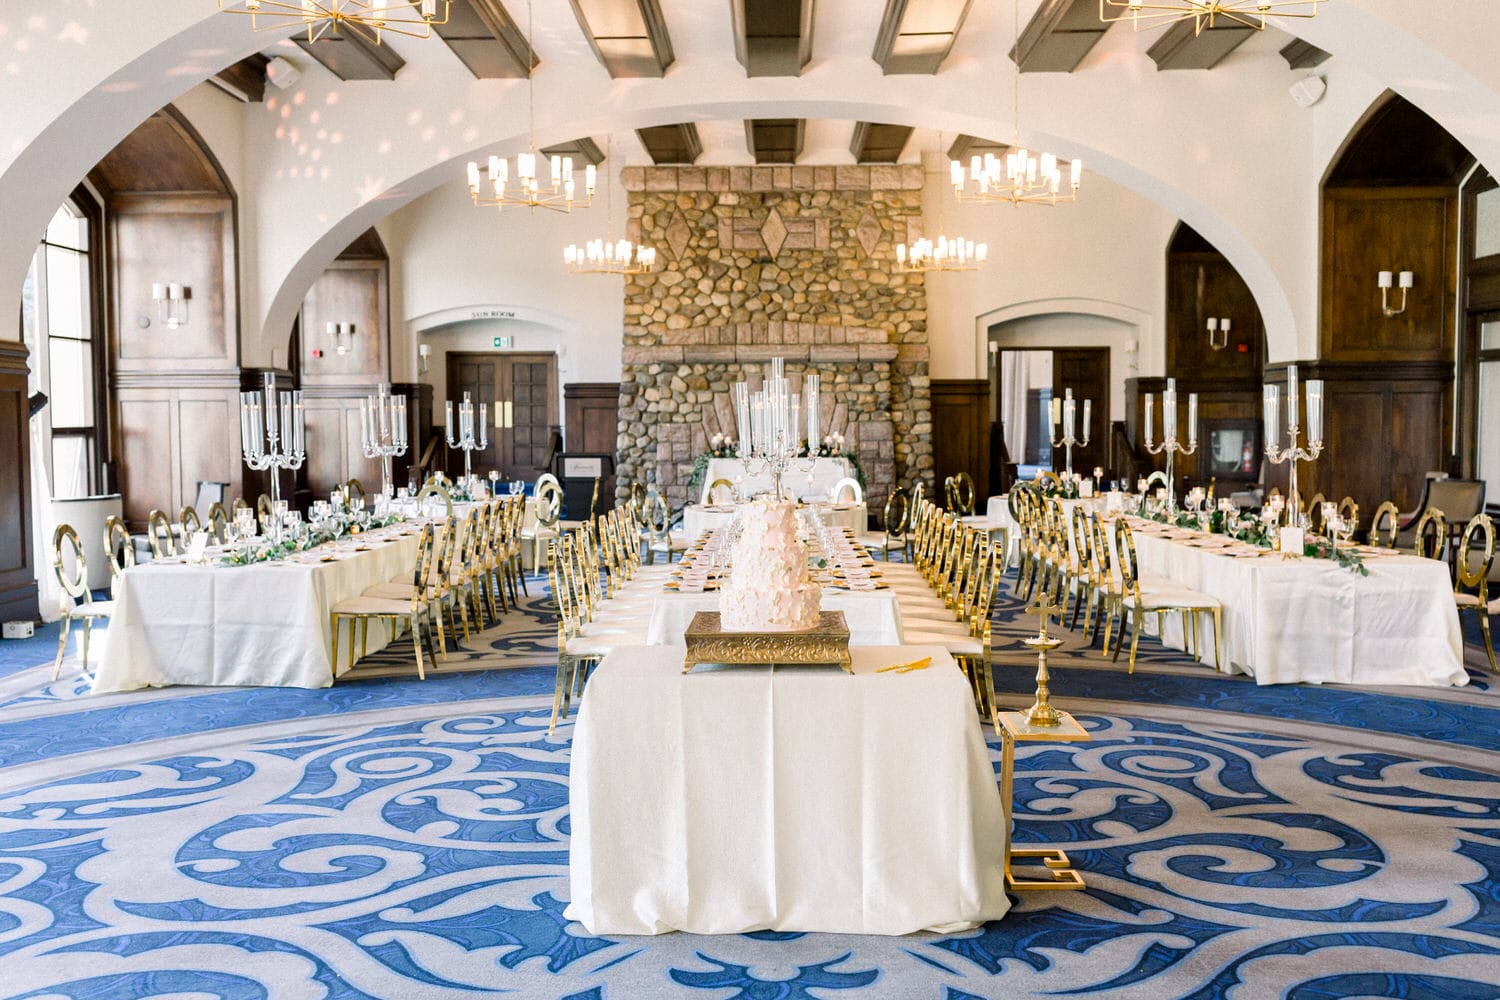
(763, 262)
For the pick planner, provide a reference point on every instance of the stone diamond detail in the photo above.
(773, 232)
(868, 232)
(678, 235)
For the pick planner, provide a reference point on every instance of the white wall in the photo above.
(1108, 247)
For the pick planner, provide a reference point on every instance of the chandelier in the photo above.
(528, 191)
(1203, 13)
(366, 18)
(1021, 178)
(957, 254)
(608, 255)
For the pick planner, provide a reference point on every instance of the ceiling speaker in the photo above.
(281, 74)
(1308, 91)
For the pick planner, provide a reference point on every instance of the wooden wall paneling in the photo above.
(167, 238)
(326, 445)
(419, 426)
(1372, 229)
(349, 291)
(1418, 436)
(1201, 285)
(145, 432)
(208, 442)
(960, 431)
(18, 592)
(1354, 461)
(591, 417)
(1085, 371)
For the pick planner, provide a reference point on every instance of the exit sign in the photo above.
(502, 342)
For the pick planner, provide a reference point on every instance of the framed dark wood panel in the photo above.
(18, 593)
(1085, 370)
(960, 431)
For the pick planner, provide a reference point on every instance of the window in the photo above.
(57, 324)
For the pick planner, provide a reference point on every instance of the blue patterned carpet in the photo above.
(396, 839)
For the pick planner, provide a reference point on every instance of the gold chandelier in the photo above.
(957, 254)
(1022, 178)
(1203, 13)
(528, 191)
(608, 255)
(366, 18)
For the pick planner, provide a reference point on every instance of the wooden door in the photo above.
(529, 383)
(1086, 372)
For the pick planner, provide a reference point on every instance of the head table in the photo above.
(758, 798)
(263, 624)
(802, 481)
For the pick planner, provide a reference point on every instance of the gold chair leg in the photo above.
(1219, 640)
(88, 624)
(557, 691)
(1135, 636)
(416, 645)
(62, 646)
(333, 660)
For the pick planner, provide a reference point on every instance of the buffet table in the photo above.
(759, 798)
(1309, 621)
(698, 518)
(266, 624)
(815, 485)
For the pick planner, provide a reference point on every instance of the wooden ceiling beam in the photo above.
(1180, 47)
(629, 37)
(1303, 55)
(244, 80)
(348, 56)
(1058, 36)
(487, 40)
(875, 142)
(671, 143)
(775, 140)
(772, 37)
(915, 36)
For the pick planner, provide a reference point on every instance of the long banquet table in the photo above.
(265, 624)
(1308, 620)
(698, 518)
(873, 616)
(755, 798)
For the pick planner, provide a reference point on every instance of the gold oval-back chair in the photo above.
(1431, 540)
(218, 523)
(713, 491)
(119, 549)
(963, 488)
(355, 488)
(1476, 578)
(159, 535)
(77, 602)
(187, 519)
(1388, 521)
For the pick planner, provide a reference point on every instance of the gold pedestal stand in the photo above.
(825, 645)
(1042, 723)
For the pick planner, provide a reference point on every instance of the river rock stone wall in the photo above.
(762, 262)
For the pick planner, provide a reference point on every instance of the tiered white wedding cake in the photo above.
(769, 590)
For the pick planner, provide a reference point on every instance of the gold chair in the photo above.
(893, 538)
(354, 488)
(1139, 602)
(548, 514)
(1477, 578)
(264, 511)
(187, 519)
(713, 491)
(159, 535)
(1388, 521)
(119, 549)
(849, 485)
(1315, 513)
(1349, 514)
(410, 611)
(77, 603)
(1431, 541)
(659, 525)
(218, 523)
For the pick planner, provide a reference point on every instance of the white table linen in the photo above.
(1309, 621)
(873, 616)
(814, 486)
(698, 518)
(265, 624)
(734, 799)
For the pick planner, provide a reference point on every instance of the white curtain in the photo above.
(42, 526)
(1014, 382)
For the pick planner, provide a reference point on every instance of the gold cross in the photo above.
(1046, 609)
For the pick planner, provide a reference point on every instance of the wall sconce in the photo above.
(424, 358)
(342, 335)
(1218, 325)
(994, 353)
(1383, 279)
(171, 303)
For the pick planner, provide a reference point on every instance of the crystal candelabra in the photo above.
(470, 439)
(1064, 412)
(1169, 441)
(382, 430)
(272, 436)
(1292, 453)
(770, 423)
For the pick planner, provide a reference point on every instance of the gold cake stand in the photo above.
(824, 645)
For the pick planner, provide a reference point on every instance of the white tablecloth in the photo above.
(698, 518)
(1307, 620)
(735, 799)
(265, 624)
(825, 472)
(873, 616)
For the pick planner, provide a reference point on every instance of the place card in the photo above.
(197, 546)
(1293, 539)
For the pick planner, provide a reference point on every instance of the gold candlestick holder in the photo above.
(1042, 713)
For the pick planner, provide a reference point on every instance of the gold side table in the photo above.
(1015, 729)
